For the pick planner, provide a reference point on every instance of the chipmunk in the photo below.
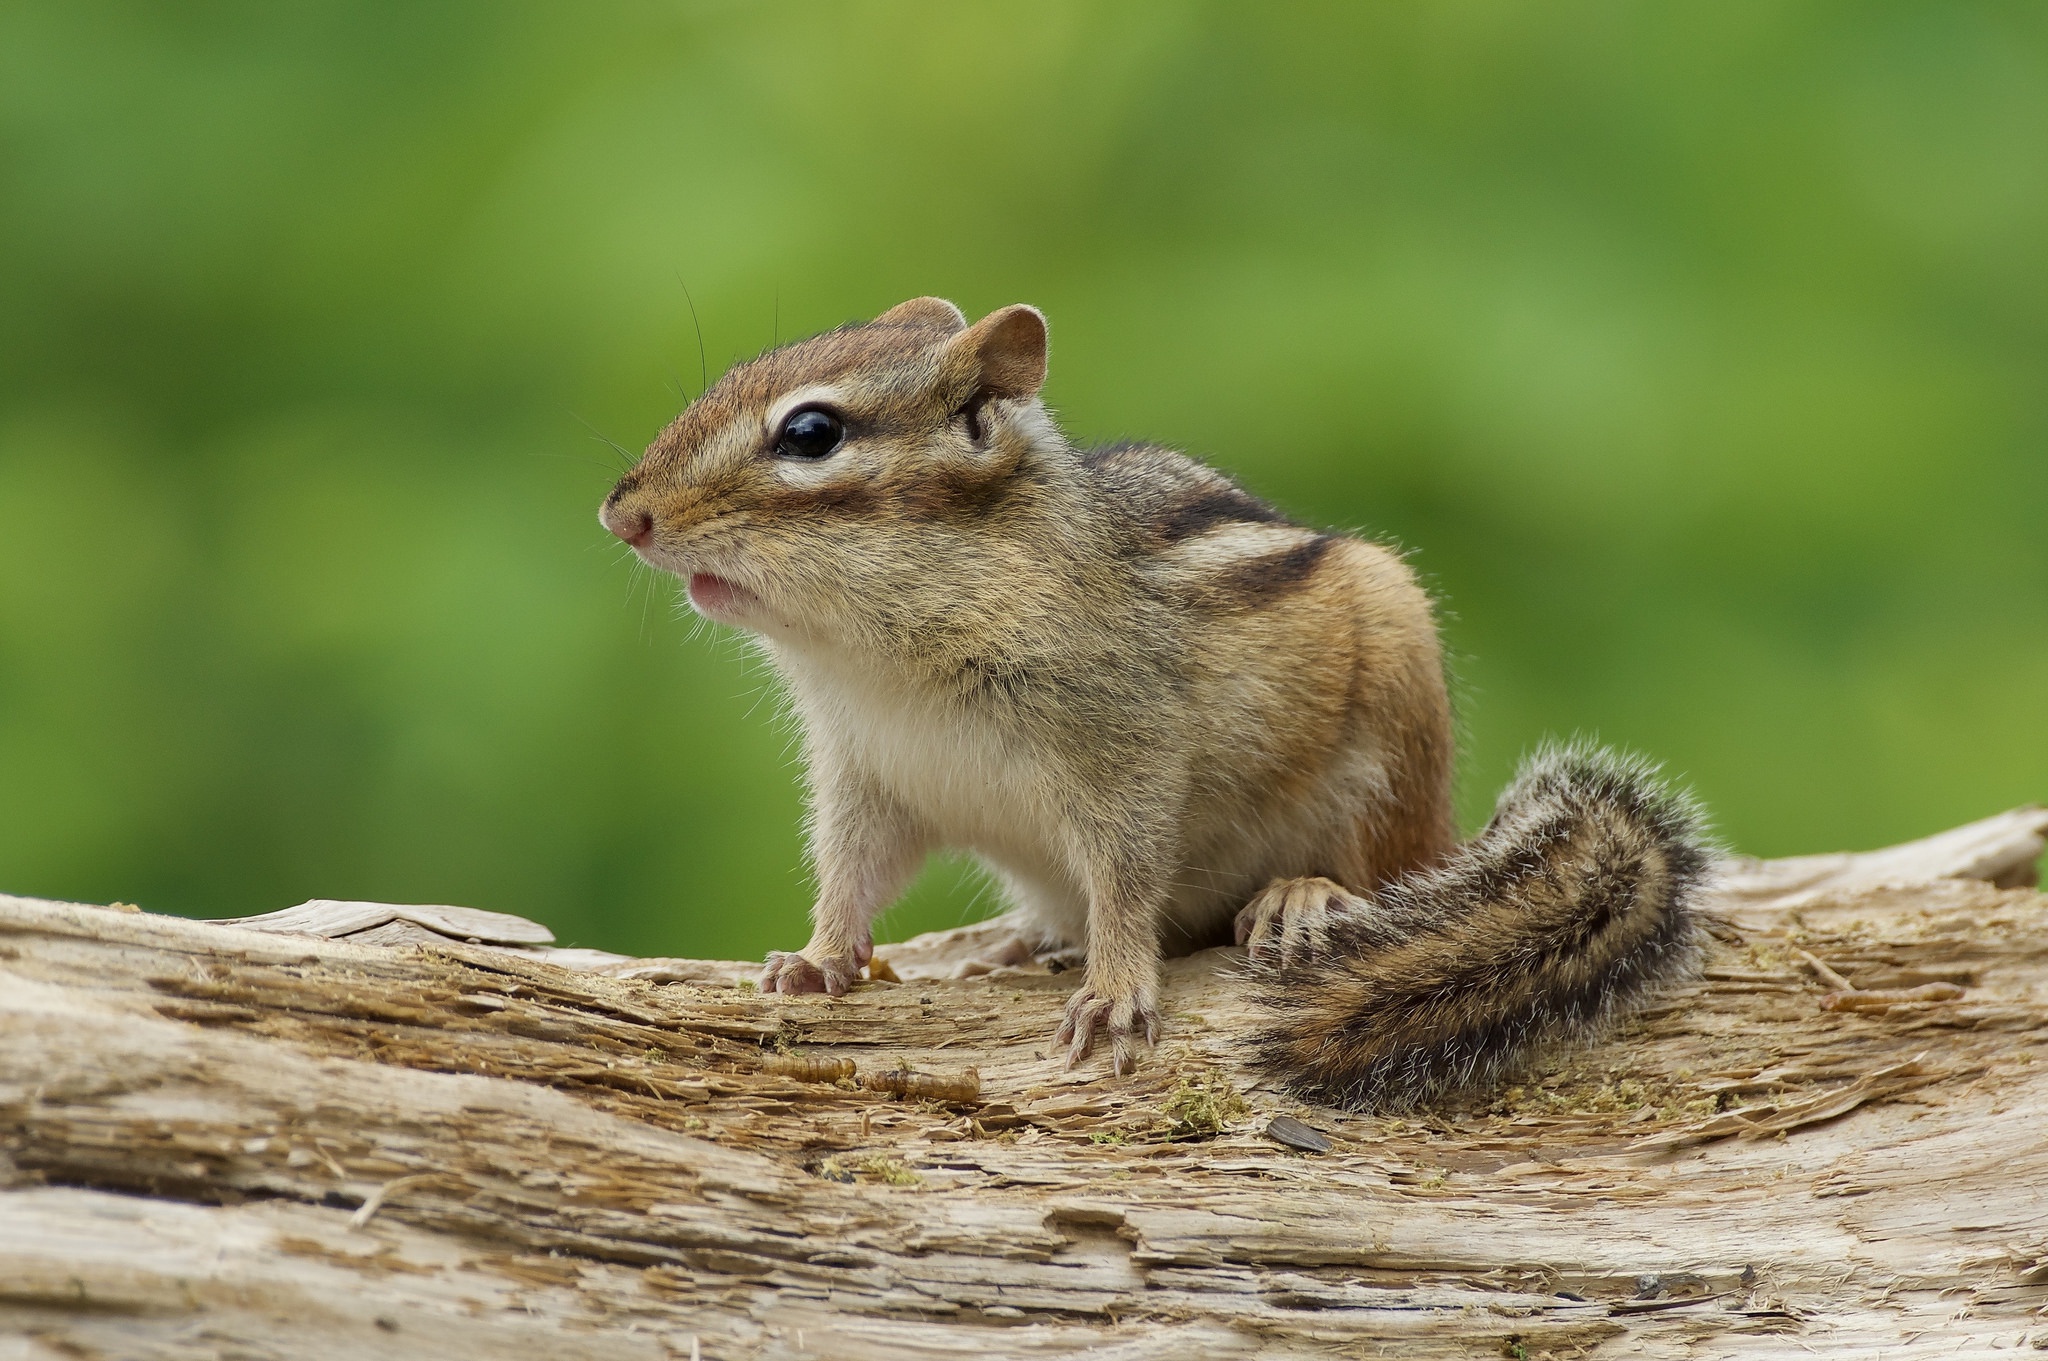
(1162, 713)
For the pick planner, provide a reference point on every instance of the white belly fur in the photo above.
(973, 784)
(978, 788)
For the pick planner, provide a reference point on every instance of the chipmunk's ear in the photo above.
(1007, 349)
(924, 312)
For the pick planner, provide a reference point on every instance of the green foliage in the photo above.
(1697, 352)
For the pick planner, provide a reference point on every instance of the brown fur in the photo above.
(1135, 691)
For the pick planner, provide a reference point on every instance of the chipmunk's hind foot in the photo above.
(1289, 920)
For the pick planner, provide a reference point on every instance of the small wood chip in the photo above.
(1826, 974)
(335, 918)
(1287, 1130)
(1881, 999)
(880, 972)
(368, 1209)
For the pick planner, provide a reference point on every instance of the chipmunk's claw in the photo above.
(1289, 920)
(789, 971)
(1130, 1022)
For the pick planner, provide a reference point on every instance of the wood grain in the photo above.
(221, 1140)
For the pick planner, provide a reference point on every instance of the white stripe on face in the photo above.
(816, 394)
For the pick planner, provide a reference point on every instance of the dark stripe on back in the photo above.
(1265, 580)
(1218, 506)
(1107, 453)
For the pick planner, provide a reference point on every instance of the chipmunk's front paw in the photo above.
(1130, 1022)
(1289, 920)
(790, 971)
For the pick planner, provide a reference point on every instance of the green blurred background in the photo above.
(1699, 353)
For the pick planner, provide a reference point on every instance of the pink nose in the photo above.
(636, 527)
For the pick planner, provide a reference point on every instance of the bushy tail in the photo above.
(1574, 902)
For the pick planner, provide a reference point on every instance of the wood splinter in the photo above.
(1883, 999)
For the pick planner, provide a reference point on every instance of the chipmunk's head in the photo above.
(827, 478)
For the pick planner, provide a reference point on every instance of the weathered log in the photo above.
(421, 1133)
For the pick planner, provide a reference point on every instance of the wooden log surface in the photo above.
(355, 1130)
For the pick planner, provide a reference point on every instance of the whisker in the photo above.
(625, 454)
(703, 365)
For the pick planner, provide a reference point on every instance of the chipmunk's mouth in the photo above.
(725, 601)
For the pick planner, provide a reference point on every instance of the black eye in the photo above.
(810, 434)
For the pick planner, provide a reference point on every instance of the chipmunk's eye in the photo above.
(810, 433)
